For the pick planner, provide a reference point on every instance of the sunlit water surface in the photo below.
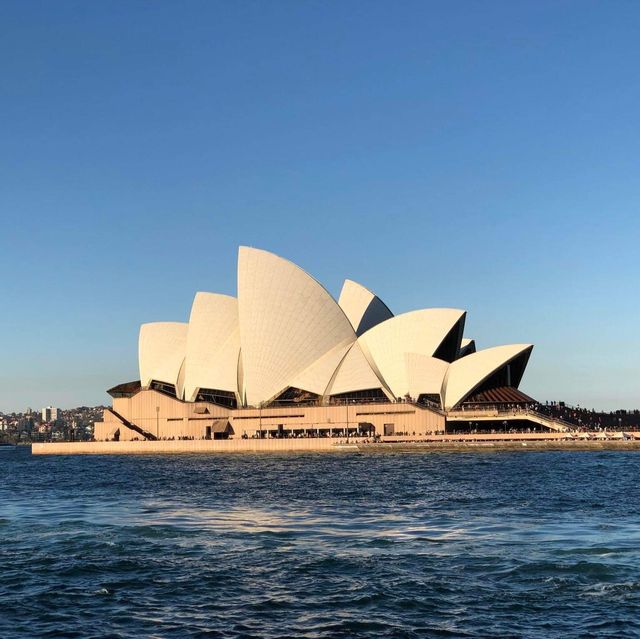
(329, 545)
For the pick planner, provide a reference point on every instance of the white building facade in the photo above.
(284, 342)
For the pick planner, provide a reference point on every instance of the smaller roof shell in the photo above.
(420, 332)
(363, 308)
(355, 374)
(466, 374)
(213, 344)
(161, 351)
(424, 374)
(318, 374)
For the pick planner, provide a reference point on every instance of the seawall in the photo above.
(522, 441)
(186, 446)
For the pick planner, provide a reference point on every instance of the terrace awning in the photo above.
(500, 395)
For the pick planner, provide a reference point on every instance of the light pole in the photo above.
(260, 418)
(157, 422)
(346, 403)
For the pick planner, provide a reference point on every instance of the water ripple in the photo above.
(314, 546)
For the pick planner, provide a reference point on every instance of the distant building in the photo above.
(49, 414)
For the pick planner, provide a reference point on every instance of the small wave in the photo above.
(317, 547)
(608, 590)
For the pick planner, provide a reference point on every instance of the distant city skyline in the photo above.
(476, 156)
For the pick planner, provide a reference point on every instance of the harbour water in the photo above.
(479, 544)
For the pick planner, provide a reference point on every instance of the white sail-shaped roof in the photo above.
(420, 332)
(317, 375)
(466, 374)
(288, 321)
(213, 345)
(286, 331)
(355, 374)
(161, 352)
(364, 309)
(424, 374)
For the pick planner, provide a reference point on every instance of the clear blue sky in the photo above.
(480, 155)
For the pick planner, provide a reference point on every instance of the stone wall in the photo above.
(187, 446)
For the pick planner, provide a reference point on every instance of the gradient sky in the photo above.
(479, 155)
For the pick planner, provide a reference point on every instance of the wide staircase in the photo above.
(134, 427)
(552, 423)
(510, 414)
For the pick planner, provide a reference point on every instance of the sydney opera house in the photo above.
(285, 359)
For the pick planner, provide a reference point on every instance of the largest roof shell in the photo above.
(288, 322)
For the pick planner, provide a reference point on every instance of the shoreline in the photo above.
(520, 446)
(447, 443)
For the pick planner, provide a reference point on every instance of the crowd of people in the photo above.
(575, 417)
(584, 419)
(310, 433)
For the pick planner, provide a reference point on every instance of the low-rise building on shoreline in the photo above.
(150, 414)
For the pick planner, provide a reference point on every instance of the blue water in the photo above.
(373, 545)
